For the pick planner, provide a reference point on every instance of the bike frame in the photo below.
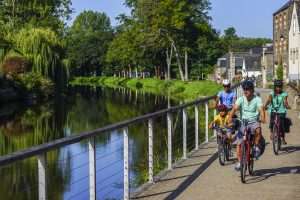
(248, 142)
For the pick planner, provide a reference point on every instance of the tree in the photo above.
(170, 29)
(279, 72)
(33, 30)
(88, 41)
(39, 13)
(42, 47)
(235, 43)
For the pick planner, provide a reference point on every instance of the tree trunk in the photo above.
(169, 62)
(178, 62)
(136, 73)
(186, 65)
(130, 71)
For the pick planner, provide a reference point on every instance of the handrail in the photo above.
(39, 149)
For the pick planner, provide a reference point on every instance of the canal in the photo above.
(83, 109)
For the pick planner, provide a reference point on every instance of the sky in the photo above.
(251, 18)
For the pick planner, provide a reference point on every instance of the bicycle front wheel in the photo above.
(251, 162)
(243, 163)
(276, 140)
(221, 152)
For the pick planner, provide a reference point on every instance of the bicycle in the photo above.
(224, 144)
(248, 152)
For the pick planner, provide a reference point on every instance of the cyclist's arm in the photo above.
(269, 100)
(262, 112)
(232, 113)
(211, 124)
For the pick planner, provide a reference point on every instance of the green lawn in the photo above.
(175, 88)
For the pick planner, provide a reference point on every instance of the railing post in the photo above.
(184, 128)
(150, 149)
(92, 168)
(170, 127)
(196, 127)
(206, 122)
(126, 164)
(42, 176)
(215, 113)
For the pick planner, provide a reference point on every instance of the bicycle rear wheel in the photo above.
(221, 151)
(276, 140)
(243, 163)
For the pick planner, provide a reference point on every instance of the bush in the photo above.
(279, 72)
(35, 83)
(15, 65)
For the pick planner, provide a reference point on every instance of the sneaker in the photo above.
(237, 167)
(256, 153)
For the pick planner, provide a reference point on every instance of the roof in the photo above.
(285, 6)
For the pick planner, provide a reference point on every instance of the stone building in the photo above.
(244, 64)
(281, 26)
(294, 45)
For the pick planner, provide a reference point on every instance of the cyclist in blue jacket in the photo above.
(226, 97)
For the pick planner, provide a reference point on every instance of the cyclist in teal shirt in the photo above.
(278, 102)
(251, 110)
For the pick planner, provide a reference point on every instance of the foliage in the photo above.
(41, 47)
(155, 27)
(88, 41)
(235, 43)
(279, 72)
(177, 89)
(39, 13)
(35, 83)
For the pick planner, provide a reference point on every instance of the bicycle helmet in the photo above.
(226, 82)
(247, 85)
(222, 108)
(278, 83)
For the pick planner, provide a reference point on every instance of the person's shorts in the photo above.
(252, 126)
(282, 121)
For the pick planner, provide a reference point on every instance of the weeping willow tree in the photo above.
(42, 47)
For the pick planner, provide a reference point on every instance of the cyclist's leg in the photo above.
(257, 136)
(256, 130)
(239, 142)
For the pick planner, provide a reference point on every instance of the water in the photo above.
(80, 110)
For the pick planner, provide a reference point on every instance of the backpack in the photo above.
(287, 125)
(262, 145)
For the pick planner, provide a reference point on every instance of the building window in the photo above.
(294, 25)
(294, 56)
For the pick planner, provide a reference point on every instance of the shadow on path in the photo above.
(263, 174)
(184, 185)
(289, 149)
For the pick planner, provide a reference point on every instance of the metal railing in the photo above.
(40, 151)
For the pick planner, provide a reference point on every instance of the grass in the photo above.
(175, 88)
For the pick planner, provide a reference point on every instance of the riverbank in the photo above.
(175, 88)
(29, 87)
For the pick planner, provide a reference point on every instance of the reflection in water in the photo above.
(80, 110)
